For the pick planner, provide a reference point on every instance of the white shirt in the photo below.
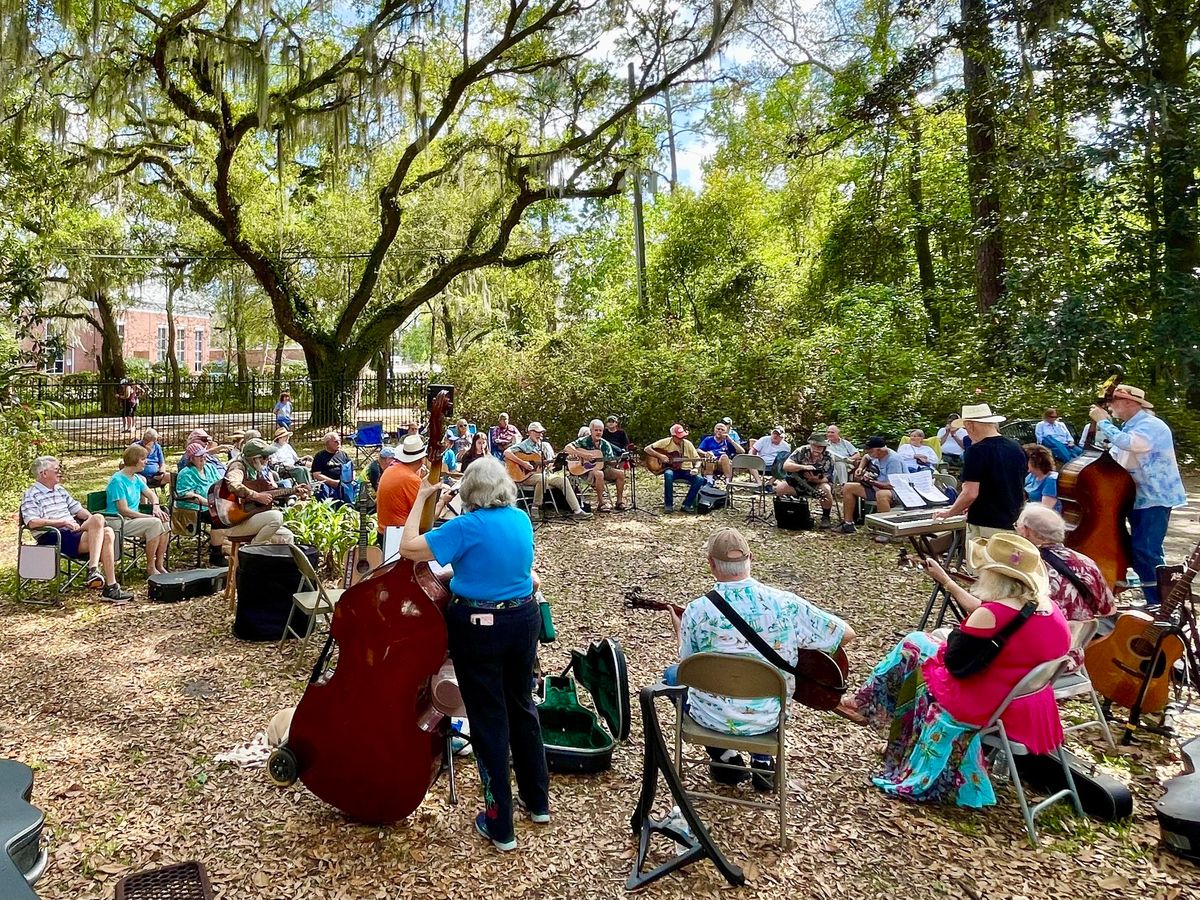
(843, 449)
(918, 455)
(767, 450)
(285, 454)
(1056, 429)
(952, 442)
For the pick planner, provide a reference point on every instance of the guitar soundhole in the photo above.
(1145, 649)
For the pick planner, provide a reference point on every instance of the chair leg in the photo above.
(781, 785)
(1103, 720)
(1070, 779)
(1013, 774)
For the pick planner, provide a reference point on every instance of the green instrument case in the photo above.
(578, 740)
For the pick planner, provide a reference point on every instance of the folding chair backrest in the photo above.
(1035, 680)
(935, 444)
(730, 675)
(35, 562)
(745, 462)
(945, 480)
(96, 501)
(369, 434)
(305, 567)
(1082, 632)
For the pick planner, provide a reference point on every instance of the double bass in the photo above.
(1097, 494)
(366, 737)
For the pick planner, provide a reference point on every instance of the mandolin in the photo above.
(1119, 663)
(225, 507)
(820, 677)
(364, 556)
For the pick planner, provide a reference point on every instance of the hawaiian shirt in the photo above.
(1144, 446)
(1075, 607)
(785, 621)
(586, 443)
(503, 437)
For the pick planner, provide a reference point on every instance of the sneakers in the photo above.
(114, 593)
(95, 580)
(688, 509)
(535, 818)
(764, 773)
(721, 775)
(668, 508)
(847, 528)
(581, 514)
(481, 827)
(825, 522)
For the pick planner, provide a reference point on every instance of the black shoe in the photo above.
(847, 528)
(216, 557)
(764, 775)
(114, 593)
(721, 775)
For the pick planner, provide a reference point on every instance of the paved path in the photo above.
(1184, 532)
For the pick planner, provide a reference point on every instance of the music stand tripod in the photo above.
(633, 497)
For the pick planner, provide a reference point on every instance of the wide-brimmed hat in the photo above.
(818, 439)
(678, 431)
(1129, 392)
(1011, 555)
(411, 448)
(257, 447)
(280, 432)
(233, 436)
(978, 412)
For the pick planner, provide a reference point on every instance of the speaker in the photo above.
(431, 393)
(266, 579)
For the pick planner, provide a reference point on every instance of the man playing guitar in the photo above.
(249, 484)
(528, 463)
(677, 457)
(599, 463)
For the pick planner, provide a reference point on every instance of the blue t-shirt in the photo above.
(491, 551)
(710, 444)
(449, 461)
(154, 461)
(124, 487)
(892, 464)
(1036, 489)
(283, 410)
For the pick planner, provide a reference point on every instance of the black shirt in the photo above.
(330, 464)
(617, 438)
(999, 465)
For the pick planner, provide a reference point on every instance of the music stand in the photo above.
(633, 497)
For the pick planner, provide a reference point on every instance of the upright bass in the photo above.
(365, 737)
(1097, 495)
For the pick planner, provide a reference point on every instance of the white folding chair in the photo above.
(1076, 683)
(998, 743)
(755, 467)
(312, 600)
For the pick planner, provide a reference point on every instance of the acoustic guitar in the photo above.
(363, 556)
(225, 507)
(677, 462)
(516, 473)
(1120, 663)
(821, 677)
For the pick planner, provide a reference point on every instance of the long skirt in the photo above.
(929, 755)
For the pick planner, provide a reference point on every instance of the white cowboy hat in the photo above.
(411, 448)
(979, 412)
(1129, 392)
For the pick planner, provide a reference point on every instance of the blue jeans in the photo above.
(494, 664)
(1061, 451)
(1147, 528)
(695, 481)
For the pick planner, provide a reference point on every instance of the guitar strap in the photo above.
(1059, 565)
(755, 639)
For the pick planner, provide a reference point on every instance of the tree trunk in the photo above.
(447, 326)
(277, 374)
(111, 364)
(172, 358)
(922, 248)
(381, 378)
(333, 374)
(671, 151)
(978, 54)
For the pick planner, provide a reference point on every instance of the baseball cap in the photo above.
(876, 442)
(678, 431)
(727, 545)
(536, 426)
(728, 421)
(196, 449)
(778, 429)
(387, 453)
(612, 419)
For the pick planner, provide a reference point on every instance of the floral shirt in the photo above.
(787, 622)
(823, 464)
(1144, 446)
(586, 443)
(1075, 607)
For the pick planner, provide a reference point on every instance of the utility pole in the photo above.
(639, 231)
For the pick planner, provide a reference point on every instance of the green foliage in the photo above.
(333, 531)
(25, 431)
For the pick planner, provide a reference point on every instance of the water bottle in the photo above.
(1132, 581)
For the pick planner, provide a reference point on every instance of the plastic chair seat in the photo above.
(1073, 684)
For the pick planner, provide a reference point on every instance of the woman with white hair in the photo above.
(155, 472)
(931, 696)
(1077, 585)
(493, 624)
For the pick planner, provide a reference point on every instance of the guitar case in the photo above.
(1102, 796)
(21, 829)
(577, 740)
(171, 587)
(1179, 809)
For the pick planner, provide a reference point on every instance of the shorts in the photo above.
(611, 471)
(70, 540)
(145, 528)
(128, 409)
(805, 489)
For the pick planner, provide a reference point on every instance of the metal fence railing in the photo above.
(87, 415)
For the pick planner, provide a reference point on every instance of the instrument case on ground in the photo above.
(793, 514)
(21, 830)
(578, 740)
(171, 587)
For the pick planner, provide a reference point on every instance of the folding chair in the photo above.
(312, 599)
(43, 562)
(97, 502)
(187, 523)
(1076, 683)
(368, 440)
(995, 738)
(756, 468)
(741, 678)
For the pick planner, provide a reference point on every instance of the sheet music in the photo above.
(902, 487)
(922, 482)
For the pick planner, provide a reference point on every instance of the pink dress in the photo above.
(1031, 720)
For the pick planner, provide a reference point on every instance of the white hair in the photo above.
(916, 432)
(1043, 522)
(486, 485)
(731, 568)
(585, 430)
(149, 435)
(594, 423)
(42, 463)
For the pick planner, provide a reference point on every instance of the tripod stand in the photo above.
(633, 495)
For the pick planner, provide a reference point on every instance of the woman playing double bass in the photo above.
(493, 624)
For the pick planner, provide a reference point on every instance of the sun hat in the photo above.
(727, 545)
(280, 432)
(237, 434)
(411, 448)
(1011, 555)
(1129, 392)
(257, 447)
(678, 431)
(979, 412)
(819, 439)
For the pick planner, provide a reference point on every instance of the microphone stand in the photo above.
(633, 496)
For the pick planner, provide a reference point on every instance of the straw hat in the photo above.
(1129, 392)
(280, 432)
(1011, 555)
(411, 448)
(978, 412)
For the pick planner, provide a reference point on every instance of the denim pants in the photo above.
(494, 664)
(1061, 451)
(1147, 528)
(669, 478)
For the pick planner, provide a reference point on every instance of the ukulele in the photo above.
(227, 508)
(363, 556)
(1119, 663)
(820, 676)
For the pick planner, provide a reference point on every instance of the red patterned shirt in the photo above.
(1066, 596)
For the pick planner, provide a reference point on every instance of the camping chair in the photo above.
(742, 678)
(368, 441)
(311, 600)
(44, 562)
(1076, 683)
(1023, 431)
(998, 744)
(97, 502)
(756, 468)
(187, 523)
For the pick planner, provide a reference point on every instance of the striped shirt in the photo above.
(41, 502)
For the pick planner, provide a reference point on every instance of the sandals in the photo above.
(620, 507)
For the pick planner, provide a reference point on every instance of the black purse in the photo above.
(967, 654)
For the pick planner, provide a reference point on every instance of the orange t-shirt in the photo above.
(397, 492)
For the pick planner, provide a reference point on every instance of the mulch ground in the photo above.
(120, 711)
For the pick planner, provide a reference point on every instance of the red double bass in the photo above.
(366, 738)
(1097, 495)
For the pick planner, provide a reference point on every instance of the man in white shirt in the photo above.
(843, 452)
(1053, 434)
(916, 453)
(770, 446)
(954, 441)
